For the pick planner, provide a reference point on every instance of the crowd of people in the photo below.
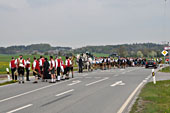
(107, 62)
(54, 69)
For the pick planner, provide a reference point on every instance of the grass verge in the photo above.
(165, 70)
(8, 82)
(153, 98)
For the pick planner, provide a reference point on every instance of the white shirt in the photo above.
(40, 62)
(34, 64)
(53, 63)
(28, 62)
(56, 61)
(67, 62)
(20, 62)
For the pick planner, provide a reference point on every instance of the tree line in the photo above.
(126, 50)
(31, 49)
(123, 50)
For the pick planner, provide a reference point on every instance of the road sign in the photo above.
(164, 52)
(167, 48)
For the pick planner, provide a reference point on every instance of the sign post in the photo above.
(153, 75)
(168, 48)
(164, 53)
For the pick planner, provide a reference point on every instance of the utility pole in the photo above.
(169, 55)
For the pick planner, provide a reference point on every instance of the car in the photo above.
(151, 63)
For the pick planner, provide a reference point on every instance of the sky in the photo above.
(77, 23)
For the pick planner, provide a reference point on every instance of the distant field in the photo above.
(5, 59)
(100, 55)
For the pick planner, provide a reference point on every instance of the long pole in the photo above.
(169, 55)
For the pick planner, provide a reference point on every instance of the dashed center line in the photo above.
(32, 91)
(97, 81)
(65, 92)
(15, 110)
(116, 75)
(88, 77)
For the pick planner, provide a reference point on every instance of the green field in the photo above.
(153, 98)
(5, 59)
(100, 55)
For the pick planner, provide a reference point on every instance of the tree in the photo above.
(139, 54)
(122, 51)
(152, 54)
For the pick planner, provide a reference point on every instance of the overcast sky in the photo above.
(78, 23)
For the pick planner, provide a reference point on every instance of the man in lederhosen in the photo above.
(41, 61)
(36, 69)
(20, 62)
(68, 63)
(58, 67)
(28, 67)
(52, 70)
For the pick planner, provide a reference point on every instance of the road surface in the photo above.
(109, 91)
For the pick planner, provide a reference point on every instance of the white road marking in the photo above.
(74, 82)
(144, 80)
(97, 77)
(117, 83)
(122, 84)
(22, 94)
(65, 92)
(88, 77)
(124, 73)
(130, 98)
(15, 110)
(79, 77)
(116, 75)
(97, 81)
(84, 75)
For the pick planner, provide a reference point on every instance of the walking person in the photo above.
(41, 61)
(20, 62)
(46, 69)
(28, 67)
(71, 66)
(12, 66)
(58, 67)
(36, 69)
(52, 70)
(68, 63)
(63, 69)
(80, 65)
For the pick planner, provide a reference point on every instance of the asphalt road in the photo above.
(109, 91)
